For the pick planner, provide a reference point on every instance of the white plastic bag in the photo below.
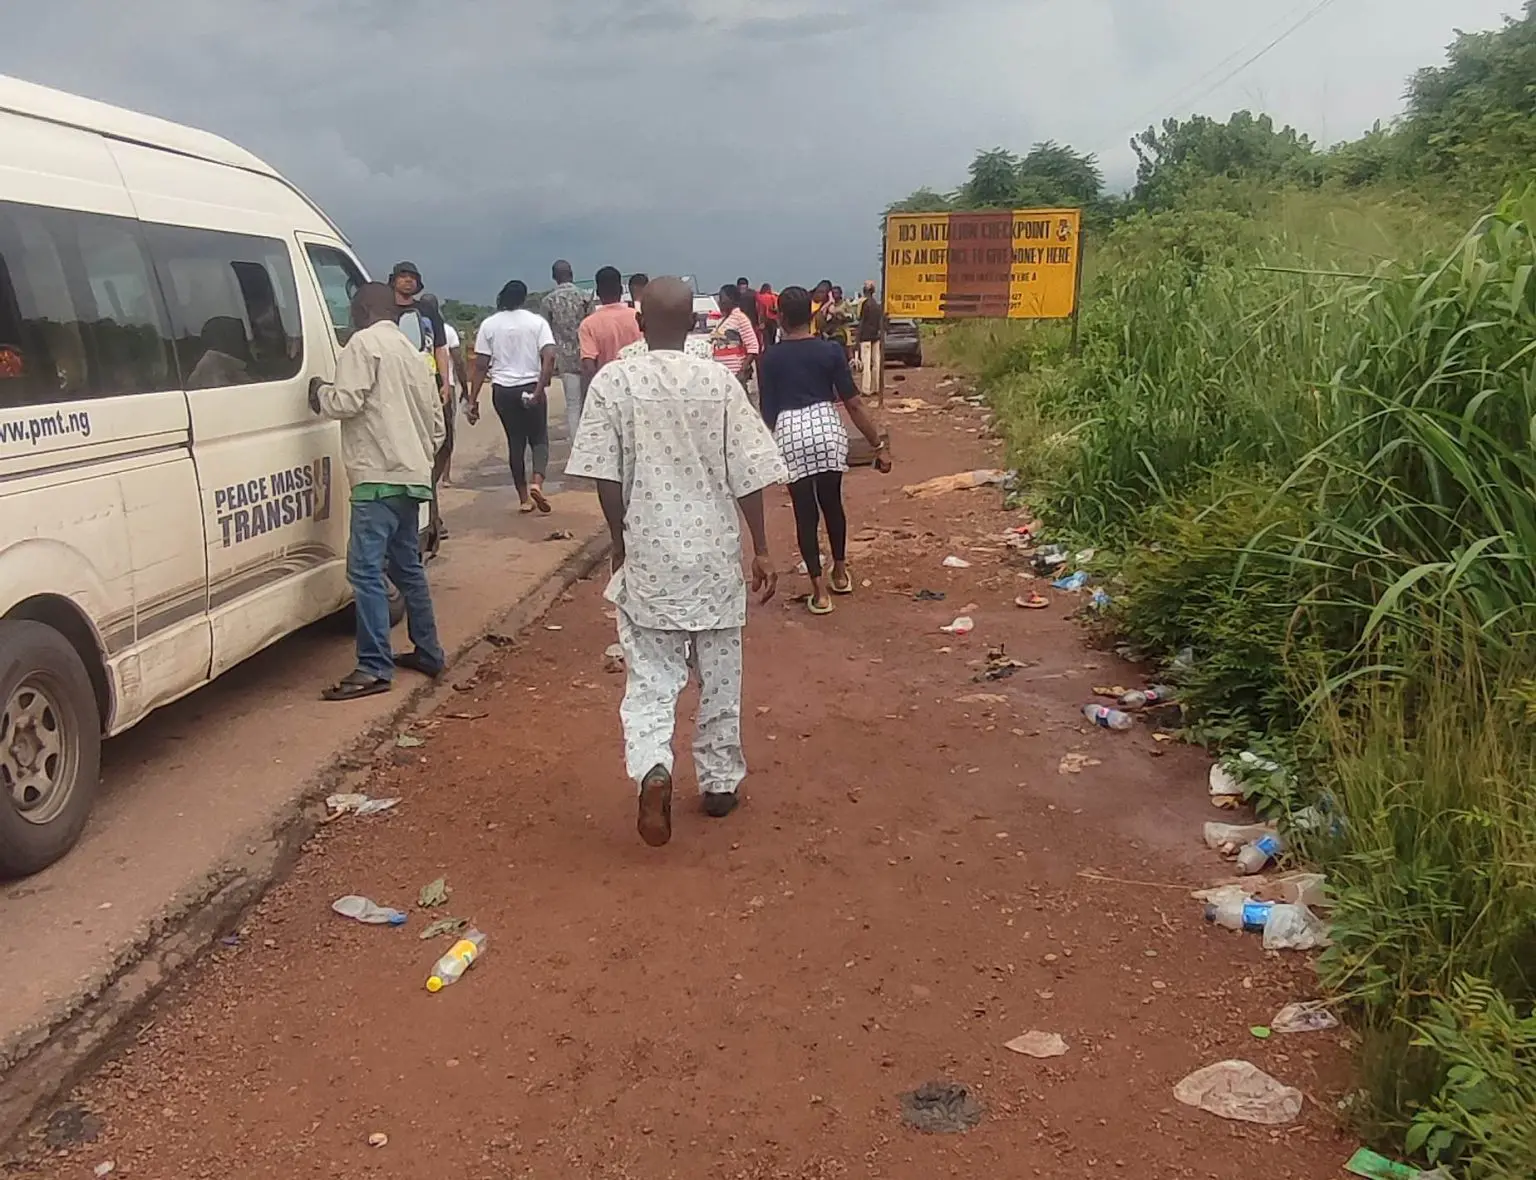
(1242, 1091)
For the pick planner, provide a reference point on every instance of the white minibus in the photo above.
(169, 505)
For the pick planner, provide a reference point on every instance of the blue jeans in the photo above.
(384, 536)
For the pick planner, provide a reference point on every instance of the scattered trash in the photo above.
(1367, 1163)
(1147, 698)
(355, 804)
(1162, 736)
(1000, 665)
(962, 481)
(982, 698)
(940, 1108)
(1049, 558)
(70, 1126)
(904, 405)
(1260, 1032)
(964, 625)
(1084, 556)
(1075, 763)
(1285, 927)
(613, 658)
(230, 940)
(434, 893)
(1106, 718)
(460, 957)
(466, 716)
(553, 627)
(1099, 599)
(408, 741)
(1183, 662)
(1114, 691)
(1032, 602)
(1072, 581)
(105, 1168)
(1294, 889)
(1241, 1091)
(1037, 1044)
(1304, 1018)
(444, 926)
(561, 535)
(378, 1139)
(1228, 839)
(928, 596)
(1256, 855)
(956, 563)
(361, 909)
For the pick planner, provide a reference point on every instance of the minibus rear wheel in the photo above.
(50, 746)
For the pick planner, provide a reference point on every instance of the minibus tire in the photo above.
(50, 746)
(346, 620)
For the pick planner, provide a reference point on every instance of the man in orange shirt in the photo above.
(768, 314)
(611, 327)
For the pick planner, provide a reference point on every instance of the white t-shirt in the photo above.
(513, 341)
(453, 342)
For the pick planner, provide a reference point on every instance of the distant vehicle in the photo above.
(169, 504)
(706, 313)
(904, 342)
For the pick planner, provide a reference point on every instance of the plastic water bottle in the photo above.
(1106, 718)
(1258, 853)
(1143, 698)
(460, 957)
(1241, 914)
(360, 909)
(528, 398)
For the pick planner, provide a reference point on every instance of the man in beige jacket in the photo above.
(391, 427)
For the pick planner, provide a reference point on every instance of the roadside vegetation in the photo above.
(1303, 422)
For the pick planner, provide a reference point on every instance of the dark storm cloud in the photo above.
(718, 137)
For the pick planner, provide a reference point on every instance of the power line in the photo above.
(1315, 10)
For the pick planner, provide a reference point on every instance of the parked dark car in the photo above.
(904, 342)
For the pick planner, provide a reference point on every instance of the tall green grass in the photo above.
(1310, 434)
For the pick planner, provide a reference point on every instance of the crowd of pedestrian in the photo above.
(671, 437)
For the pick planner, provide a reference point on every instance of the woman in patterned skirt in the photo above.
(800, 380)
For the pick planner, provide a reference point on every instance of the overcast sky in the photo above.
(482, 139)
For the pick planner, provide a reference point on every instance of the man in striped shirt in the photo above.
(735, 340)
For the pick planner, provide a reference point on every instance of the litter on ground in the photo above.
(961, 481)
(1037, 1044)
(1240, 1091)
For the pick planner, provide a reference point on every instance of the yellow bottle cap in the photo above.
(434, 984)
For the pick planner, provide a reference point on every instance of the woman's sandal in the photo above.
(541, 502)
(817, 608)
(525, 507)
(355, 685)
(845, 588)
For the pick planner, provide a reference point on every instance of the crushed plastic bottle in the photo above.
(1284, 927)
(1072, 581)
(1146, 698)
(460, 957)
(361, 909)
(1257, 854)
(1100, 599)
(1106, 718)
(1221, 837)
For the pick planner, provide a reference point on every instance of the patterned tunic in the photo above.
(565, 307)
(681, 437)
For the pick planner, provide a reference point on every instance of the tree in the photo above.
(994, 182)
(924, 200)
(1054, 174)
(1475, 116)
(1179, 154)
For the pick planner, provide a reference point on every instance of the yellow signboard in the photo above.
(1020, 265)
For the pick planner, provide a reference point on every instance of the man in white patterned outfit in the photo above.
(676, 448)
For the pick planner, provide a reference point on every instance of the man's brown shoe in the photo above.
(654, 820)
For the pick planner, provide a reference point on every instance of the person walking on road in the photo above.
(565, 307)
(611, 328)
(676, 450)
(734, 340)
(799, 384)
(391, 419)
(768, 315)
(871, 340)
(516, 350)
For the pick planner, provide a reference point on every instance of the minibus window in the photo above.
(339, 281)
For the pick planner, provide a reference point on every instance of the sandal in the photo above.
(525, 506)
(540, 500)
(355, 685)
(1033, 602)
(417, 662)
(817, 608)
(845, 588)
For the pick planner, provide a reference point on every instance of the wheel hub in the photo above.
(32, 762)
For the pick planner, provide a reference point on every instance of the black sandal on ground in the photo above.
(417, 662)
(354, 685)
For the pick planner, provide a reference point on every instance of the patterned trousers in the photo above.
(657, 663)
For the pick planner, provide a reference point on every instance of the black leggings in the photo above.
(818, 496)
(526, 427)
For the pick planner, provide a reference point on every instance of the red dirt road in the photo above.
(899, 895)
